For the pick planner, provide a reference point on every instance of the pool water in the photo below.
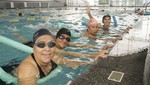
(26, 29)
(27, 25)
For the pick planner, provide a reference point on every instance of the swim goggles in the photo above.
(63, 37)
(42, 44)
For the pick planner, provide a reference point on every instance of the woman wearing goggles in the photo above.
(43, 60)
(63, 39)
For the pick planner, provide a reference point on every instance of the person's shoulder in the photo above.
(26, 65)
(27, 69)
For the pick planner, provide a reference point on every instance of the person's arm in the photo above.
(94, 37)
(81, 45)
(20, 37)
(68, 53)
(90, 36)
(106, 47)
(26, 74)
(113, 40)
(100, 31)
(88, 10)
(126, 30)
(68, 62)
(101, 53)
(75, 54)
(29, 43)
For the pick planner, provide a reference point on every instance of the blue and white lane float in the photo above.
(15, 44)
(8, 78)
(115, 21)
(85, 21)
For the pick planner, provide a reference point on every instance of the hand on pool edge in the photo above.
(76, 64)
(101, 54)
(69, 82)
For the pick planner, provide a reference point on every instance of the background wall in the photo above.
(70, 3)
(7, 4)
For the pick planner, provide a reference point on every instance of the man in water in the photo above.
(63, 38)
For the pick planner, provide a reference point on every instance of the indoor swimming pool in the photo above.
(21, 29)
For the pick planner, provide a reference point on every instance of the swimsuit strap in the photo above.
(54, 65)
(42, 74)
(40, 69)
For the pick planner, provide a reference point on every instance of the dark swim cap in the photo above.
(40, 33)
(63, 31)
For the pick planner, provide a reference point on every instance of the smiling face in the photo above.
(45, 53)
(93, 26)
(106, 21)
(93, 29)
(62, 40)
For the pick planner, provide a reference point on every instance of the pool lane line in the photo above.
(28, 19)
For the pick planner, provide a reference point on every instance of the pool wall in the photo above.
(30, 3)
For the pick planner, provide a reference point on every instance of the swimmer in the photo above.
(63, 39)
(43, 60)
(106, 21)
(20, 14)
(93, 27)
(92, 31)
